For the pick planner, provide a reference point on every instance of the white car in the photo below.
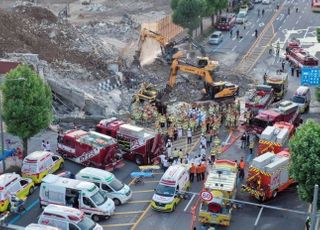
(257, 1)
(241, 18)
(266, 2)
(215, 38)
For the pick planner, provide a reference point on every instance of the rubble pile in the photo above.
(37, 30)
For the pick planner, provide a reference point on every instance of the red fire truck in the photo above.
(260, 98)
(136, 143)
(275, 138)
(90, 149)
(268, 175)
(226, 21)
(299, 57)
(285, 111)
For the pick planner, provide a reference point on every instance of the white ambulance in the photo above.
(40, 227)
(106, 181)
(167, 193)
(66, 218)
(78, 194)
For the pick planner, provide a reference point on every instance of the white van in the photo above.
(40, 227)
(14, 184)
(302, 97)
(39, 164)
(174, 182)
(106, 181)
(78, 194)
(66, 218)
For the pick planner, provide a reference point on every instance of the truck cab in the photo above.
(302, 97)
(285, 111)
(137, 144)
(226, 21)
(279, 82)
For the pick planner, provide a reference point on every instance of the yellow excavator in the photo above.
(168, 48)
(215, 90)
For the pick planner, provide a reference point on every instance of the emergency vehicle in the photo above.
(299, 57)
(137, 144)
(278, 80)
(40, 227)
(260, 98)
(14, 184)
(90, 148)
(275, 138)
(284, 111)
(302, 97)
(39, 164)
(173, 183)
(119, 192)
(66, 218)
(226, 21)
(82, 195)
(268, 175)
(220, 187)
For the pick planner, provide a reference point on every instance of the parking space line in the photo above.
(117, 225)
(138, 201)
(187, 206)
(141, 217)
(127, 213)
(138, 191)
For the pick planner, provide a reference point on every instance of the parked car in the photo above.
(257, 1)
(215, 38)
(266, 2)
(241, 18)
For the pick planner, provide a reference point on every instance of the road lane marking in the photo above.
(34, 203)
(116, 225)
(141, 191)
(233, 48)
(186, 208)
(247, 32)
(128, 212)
(151, 181)
(241, 40)
(138, 201)
(297, 22)
(140, 218)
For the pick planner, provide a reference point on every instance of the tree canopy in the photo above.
(305, 156)
(188, 13)
(27, 103)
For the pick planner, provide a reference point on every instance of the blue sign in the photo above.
(310, 76)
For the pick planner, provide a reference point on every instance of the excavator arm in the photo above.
(175, 66)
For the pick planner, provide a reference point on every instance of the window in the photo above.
(55, 158)
(73, 227)
(88, 202)
(23, 182)
(106, 188)
(116, 184)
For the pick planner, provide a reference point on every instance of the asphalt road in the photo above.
(137, 213)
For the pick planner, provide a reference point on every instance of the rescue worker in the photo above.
(241, 169)
(192, 172)
(251, 146)
(175, 153)
(162, 121)
(213, 154)
(185, 126)
(198, 172)
(189, 136)
(169, 148)
(192, 124)
(243, 140)
(180, 154)
(202, 170)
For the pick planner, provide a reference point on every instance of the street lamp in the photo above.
(1, 126)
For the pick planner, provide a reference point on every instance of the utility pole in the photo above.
(2, 137)
(314, 207)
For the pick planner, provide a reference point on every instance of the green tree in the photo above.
(174, 4)
(305, 156)
(215, 6)
(26, 104)
(188, 14)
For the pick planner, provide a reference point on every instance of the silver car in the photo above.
(215, 38)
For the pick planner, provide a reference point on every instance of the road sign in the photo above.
(206, 196)
(310, 76)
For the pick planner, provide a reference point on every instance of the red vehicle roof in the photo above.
(75, 133)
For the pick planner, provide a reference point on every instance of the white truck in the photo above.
(83, 195)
